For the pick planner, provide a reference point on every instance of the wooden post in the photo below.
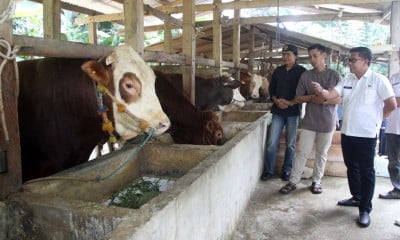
(52, 19)
(188, 48)
(217, 37)
(236, 42)
(10, 153)
(134, 24)
(251, 49)
(167, 37)
(394, 65)
(92, 32)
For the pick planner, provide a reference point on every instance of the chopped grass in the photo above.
(135, 194)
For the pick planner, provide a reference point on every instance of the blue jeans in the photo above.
(275, 131)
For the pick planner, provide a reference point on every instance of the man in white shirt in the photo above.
(367, 99)
(393, 143)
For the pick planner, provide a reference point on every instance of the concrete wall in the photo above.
(207, 202)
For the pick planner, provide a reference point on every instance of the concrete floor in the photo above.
(302, 215)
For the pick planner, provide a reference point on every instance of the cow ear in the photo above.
(110, 58)
(97, 72)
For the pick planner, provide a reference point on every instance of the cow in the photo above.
(58, 108)
(253, 86)
(188, 124)
(216, 94)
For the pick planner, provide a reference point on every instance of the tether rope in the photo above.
(10, 56)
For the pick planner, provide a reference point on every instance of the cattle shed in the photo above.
(223, 43)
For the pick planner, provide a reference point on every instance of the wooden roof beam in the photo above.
(269, 3)
(120, 16)
(288, 18)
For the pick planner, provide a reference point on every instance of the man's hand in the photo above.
(318, 99)
(317, 88)
(282, 103)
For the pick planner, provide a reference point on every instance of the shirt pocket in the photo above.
(396, 88)
(346, 94)
(370, 95)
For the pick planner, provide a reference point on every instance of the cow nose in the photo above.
(162, 127)
(218, 135)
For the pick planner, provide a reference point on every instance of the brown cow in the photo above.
(188, 124)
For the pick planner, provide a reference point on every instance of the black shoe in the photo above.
(351, 202)
(394, 194)
(265, 176)
(363, 219)
(285, 176)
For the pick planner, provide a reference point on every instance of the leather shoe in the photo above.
(363, 219)
(265, 176)
(394, 194)
(285, 176)
(350, 202)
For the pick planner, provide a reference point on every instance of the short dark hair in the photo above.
(363, 52)
(321, 48)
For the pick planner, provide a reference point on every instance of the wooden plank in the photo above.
(31, 46)
(134, 23)
(120, 16)
(99, 18)
(52, 19)
(370, 17)
(270, 3)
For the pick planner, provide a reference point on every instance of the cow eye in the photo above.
(129, 85)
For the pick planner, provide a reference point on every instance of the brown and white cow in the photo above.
(253, 85)
(58, 109)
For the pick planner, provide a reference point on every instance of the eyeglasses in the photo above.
(353, 60)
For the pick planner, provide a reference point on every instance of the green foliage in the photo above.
(30, 26)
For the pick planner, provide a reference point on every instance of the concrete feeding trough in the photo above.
(213, 185)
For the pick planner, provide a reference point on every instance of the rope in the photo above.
(8, 12)
(122, 108)
(99, 178)
(10, 55)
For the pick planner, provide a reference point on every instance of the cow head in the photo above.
(133, 82)
(255, 85)
(237, 98)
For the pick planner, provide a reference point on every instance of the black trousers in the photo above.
(358, 155)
